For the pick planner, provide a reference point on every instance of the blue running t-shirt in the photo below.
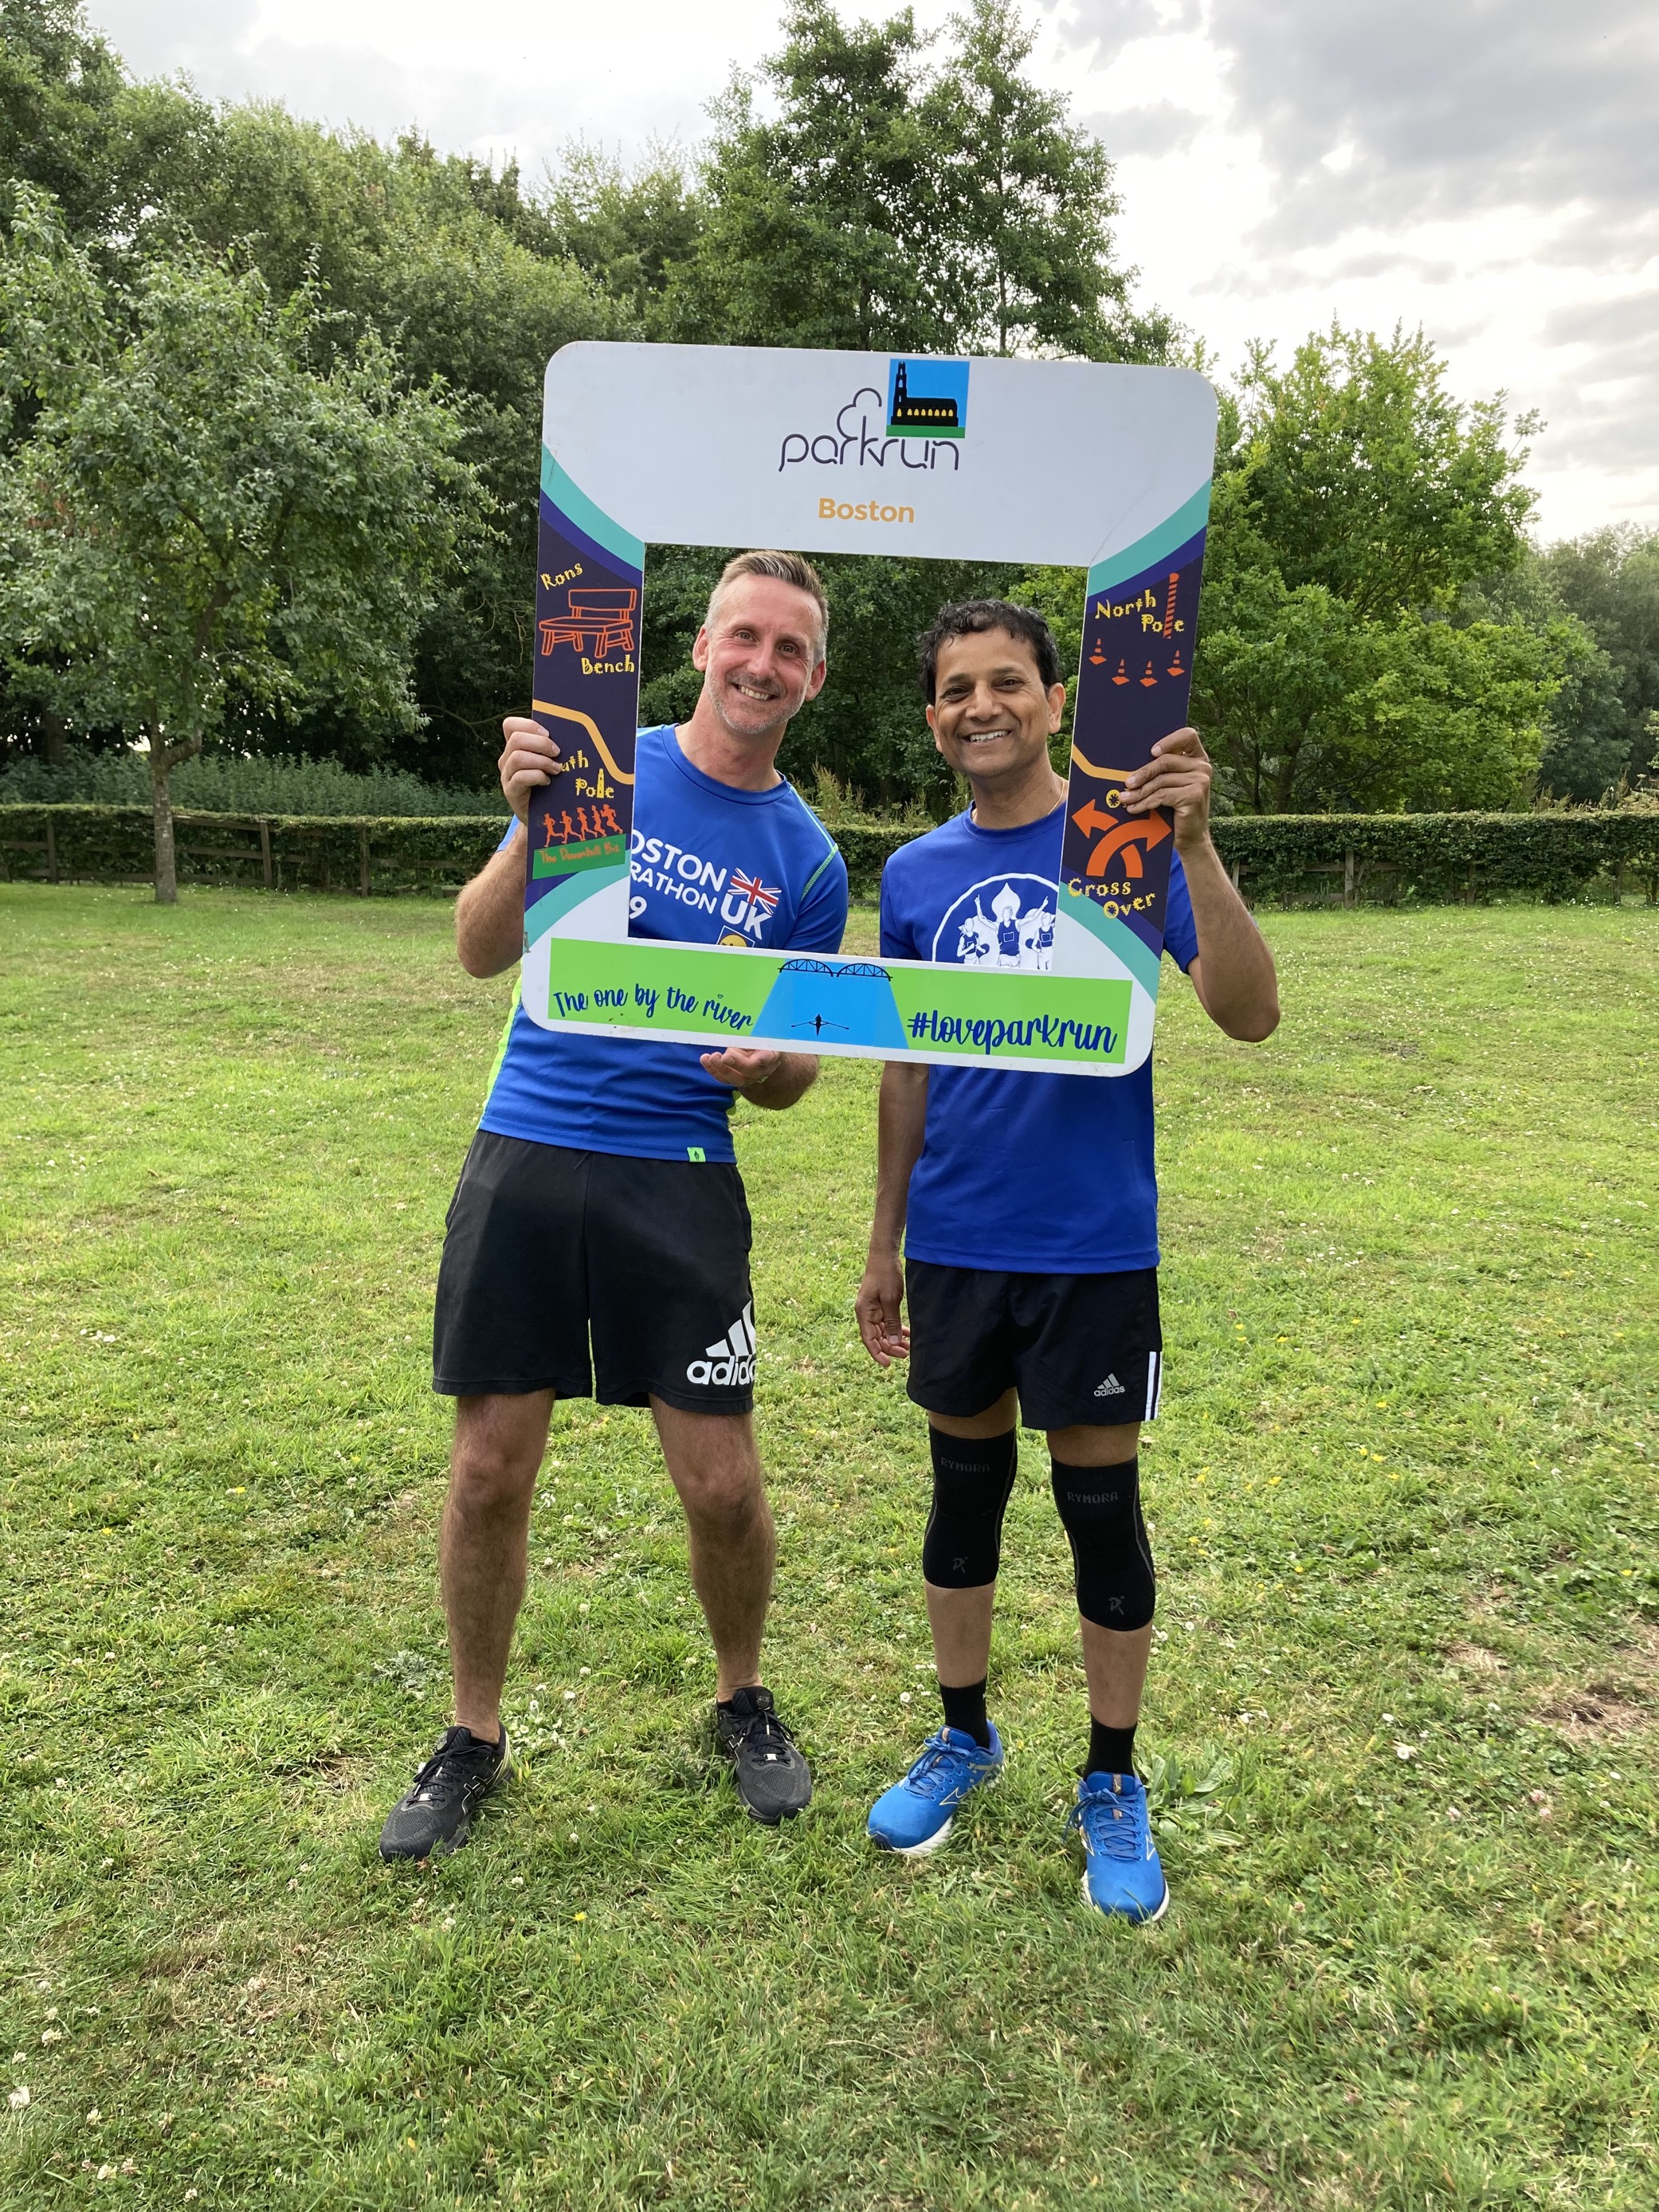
(1035, 1174)
(710, 865)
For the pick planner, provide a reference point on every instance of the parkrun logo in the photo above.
(918, 423)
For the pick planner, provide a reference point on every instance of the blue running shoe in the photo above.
(1121, 1870)
(914, 1817)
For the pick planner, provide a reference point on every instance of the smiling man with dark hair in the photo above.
(1026, 1210)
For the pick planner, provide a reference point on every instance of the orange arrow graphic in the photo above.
(1120, 836)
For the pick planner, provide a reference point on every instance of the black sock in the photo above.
(964, 1709)
(1111, 1751)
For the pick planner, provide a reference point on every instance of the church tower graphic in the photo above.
(927, 399)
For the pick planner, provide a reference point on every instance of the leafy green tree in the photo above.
(196, 514)
(1587, 733)
(1021, 208)
(1442, 717)
(627, 230)
(1610, 579)
(1358, 469)
(472, 285)
(72, 123)
(817, 225)
(1275, 668)
(889, 203)
(1310, 709)
(1356, 503)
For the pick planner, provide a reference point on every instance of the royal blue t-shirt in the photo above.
(1036, 1174)
(710, 865)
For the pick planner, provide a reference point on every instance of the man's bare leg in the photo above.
(713, 1465)
(497, 1452)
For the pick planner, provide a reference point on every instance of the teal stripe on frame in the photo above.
(1186, 522)
(567, 496)
(557, 902)
(1136, 955)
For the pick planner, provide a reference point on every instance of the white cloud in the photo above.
(1488, 169)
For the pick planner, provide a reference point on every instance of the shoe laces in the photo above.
(1112, 1824)
(938, 1769)
(765, 1734)
(446, 1767)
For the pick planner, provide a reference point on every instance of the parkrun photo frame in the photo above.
(1075, 464)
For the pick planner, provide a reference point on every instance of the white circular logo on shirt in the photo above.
(1005, 922)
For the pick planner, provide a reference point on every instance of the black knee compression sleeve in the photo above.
(973, 1481)
(1100, 1508)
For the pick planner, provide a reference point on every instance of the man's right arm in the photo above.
(490, 912)
(902, 1125)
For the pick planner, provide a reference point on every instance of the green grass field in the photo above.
(1401, 1716)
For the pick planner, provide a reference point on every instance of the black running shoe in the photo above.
(772, 1779)
(434, 1814)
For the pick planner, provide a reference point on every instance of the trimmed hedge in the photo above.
(320, 853)
(1277, 857)
(1439, 858)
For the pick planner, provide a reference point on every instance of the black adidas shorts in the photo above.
(1081, 1350)
(547, 1249)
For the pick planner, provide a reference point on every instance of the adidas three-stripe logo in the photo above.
(729, 1364)
(1111, 1388)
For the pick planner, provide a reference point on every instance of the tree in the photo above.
(198, 515)
(1022, 203)
(1610, 579)
(892, 203)
(472, 286)
(1341, 663)
(625, 230)
(448, 260)
(1358, 469)
(1310, 709)
(1587, 733)
(818, 226)
(72, 123)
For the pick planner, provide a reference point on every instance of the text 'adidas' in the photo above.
(731, 1363)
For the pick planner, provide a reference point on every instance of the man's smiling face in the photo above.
(991, 717)
(762, 656)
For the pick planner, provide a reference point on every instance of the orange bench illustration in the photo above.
(606, 617)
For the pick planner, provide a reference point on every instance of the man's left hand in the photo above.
(1178, 776)
(742, 1068)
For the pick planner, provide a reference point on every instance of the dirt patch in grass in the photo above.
(1619, 1703)
(1597, 1714)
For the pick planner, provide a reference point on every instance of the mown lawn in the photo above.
(1404, 1504)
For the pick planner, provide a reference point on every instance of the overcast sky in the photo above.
(1488, 167)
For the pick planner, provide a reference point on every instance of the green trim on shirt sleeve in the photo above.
(500, 1055)
(833, 854)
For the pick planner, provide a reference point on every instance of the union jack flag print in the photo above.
(758, 893)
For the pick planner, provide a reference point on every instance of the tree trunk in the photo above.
(161, 807)
(54, 731)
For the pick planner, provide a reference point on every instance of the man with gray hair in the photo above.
(601, 1201)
